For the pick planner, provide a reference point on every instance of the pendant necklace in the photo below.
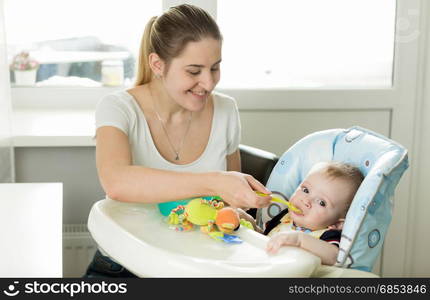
(176, 151)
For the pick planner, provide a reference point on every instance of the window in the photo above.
(307, 43)
(72, 39)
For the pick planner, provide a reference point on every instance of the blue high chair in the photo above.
(382, 162)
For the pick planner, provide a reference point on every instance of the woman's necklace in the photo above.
(176, 151)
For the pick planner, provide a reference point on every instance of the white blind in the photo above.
(307, 43)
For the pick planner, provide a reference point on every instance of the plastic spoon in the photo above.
(279, 200)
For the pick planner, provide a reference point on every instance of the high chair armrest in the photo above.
(257, 162)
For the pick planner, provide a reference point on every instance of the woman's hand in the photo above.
(238, 190)
(284, 239)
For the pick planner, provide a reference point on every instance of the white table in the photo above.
(334, 272)
(31, 229)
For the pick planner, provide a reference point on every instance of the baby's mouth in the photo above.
(298, 214)
(296, 210)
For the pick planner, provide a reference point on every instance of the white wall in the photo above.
(277, 130)
(73, 166)
(418, 262)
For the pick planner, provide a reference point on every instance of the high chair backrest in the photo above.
(382, 162)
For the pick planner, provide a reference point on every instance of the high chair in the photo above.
(381, 160)
(136, 236)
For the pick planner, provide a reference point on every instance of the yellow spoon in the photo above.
(279, 200)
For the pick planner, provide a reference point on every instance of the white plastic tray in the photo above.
(136, 236)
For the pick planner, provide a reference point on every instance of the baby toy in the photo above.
(214, 219)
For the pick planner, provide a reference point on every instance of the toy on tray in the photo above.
(214, 219)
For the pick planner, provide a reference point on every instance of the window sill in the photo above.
(53, 128)
(59, 98)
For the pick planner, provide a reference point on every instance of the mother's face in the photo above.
(191, 77)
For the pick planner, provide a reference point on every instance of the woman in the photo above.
(170, 137)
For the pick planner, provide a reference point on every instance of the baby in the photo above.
(323, 197)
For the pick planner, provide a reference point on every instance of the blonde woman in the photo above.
(171, 137)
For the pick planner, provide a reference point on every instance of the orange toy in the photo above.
(227, 220)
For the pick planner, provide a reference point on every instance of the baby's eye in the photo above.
(321, 203)
(305, 190)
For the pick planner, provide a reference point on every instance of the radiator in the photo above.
(78, 249)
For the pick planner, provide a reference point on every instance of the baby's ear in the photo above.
(338, 225)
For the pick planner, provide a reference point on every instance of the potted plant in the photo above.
(25, 68)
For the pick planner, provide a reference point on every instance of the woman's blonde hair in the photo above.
(168, 34)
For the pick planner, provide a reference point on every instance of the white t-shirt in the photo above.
(122, 111)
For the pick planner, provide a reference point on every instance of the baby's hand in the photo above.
(283, 239)
(244, 215)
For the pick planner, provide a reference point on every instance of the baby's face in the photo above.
(322, 200)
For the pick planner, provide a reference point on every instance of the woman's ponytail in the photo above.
(144, 72)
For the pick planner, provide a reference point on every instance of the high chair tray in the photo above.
(137, 237)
